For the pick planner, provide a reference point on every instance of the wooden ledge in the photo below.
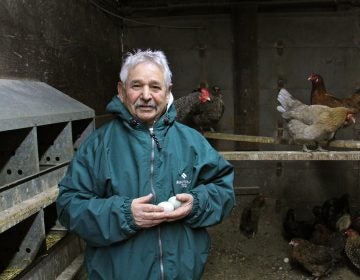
(291, 155)
(349, 144)
(14, 215)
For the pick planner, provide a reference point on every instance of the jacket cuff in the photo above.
(129, 217)
(195, 207)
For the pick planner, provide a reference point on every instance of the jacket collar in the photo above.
(116, 107)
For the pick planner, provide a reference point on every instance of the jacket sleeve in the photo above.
(214, 196)
(83, 206)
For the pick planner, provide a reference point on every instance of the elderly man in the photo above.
(111, 191)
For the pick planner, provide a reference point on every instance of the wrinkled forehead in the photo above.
(146, 72)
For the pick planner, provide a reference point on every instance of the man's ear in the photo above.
(121, 91)
(168, 94)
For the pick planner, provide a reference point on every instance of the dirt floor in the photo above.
(234, 256)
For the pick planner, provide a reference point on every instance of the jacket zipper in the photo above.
(154, 141)
(153, 136)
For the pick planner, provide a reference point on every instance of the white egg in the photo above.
(176, 203)
(168, 207)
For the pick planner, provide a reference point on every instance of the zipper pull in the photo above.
(153, 136)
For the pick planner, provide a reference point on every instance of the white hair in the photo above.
(140, 56)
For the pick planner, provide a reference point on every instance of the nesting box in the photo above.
(40, 128)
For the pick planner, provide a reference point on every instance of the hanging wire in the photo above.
(122, 38)
(141, 22)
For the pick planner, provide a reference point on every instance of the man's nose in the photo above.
(146, 94)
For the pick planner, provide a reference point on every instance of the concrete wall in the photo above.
(198, 48)
(289, 46)
(70, 45)
(294, 45)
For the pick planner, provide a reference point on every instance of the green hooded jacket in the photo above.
(123, 160)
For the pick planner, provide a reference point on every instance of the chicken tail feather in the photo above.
(287, 101)
(281, 109)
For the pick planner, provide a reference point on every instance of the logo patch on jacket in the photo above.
(183, 180)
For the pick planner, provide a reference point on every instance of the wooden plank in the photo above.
(67, 251)
(351, 144)
(286, 155)
(71, 271)
(241, 138)
(26, 208)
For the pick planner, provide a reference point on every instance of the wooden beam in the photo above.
(289, 155)
(350, 144)
(26, 208)
(241, 138)
(67, 251)
(71, 271)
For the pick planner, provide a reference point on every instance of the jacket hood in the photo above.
(116, 107)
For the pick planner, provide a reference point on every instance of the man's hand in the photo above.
(146, 214)
(184, 210)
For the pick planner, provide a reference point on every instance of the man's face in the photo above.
(144, 93)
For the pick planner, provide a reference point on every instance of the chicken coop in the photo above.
(59, 67)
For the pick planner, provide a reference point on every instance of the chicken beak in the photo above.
(353, 119)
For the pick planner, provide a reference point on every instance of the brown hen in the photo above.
(320, 96)
(317, 259)
(250, 216)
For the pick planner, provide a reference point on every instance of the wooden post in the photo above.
(246, 93)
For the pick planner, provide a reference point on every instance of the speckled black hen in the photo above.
(352, 247)
(202, 109)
